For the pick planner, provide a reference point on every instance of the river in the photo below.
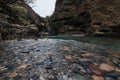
(29, 59)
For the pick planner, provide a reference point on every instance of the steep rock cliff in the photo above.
(17, 20)
(94, 17)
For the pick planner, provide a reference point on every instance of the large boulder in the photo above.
(94, 17)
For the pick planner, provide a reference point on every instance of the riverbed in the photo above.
(49, 58)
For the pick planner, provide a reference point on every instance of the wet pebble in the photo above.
(35, 76)
(70, 78)
(95, 77)
(51, 77)
(49, 66)
(3, 69)
(18, 77)
(96, 69)
(23, 66)
(55, 71)
(42, 78)
(85, 63)
(87, 55)
(9, 66)
(106, 67)
(13, 75)
(39, 63)
(110, 78)
(65, 77)
(60, 64)
(112, 74)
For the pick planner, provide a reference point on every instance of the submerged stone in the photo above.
(106, 67)
(55, 61)
(117, 70)
(96, 69)
(66, 48)
(87, 55)
(49, 67)
(13, 75)
(23, 66)
(95, 77)
(35, 76)
(65, 77)
(112, 74)
(68, 57)
(3, 69)
(42, 78)
(10, 66)
(115, 54)
(39, 63)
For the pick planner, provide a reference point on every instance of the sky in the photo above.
(44, 7)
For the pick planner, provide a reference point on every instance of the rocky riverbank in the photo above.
(57, 59)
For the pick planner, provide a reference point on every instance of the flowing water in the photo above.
(15, 53)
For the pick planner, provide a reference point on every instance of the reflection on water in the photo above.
(104, 42)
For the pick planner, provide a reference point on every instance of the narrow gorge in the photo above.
(79, 41)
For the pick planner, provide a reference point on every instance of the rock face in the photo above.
(18, 20)
(97, 17)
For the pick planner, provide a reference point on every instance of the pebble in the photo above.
(17, 77)
(51, 77)
(12, 75)
(70, 78)
(3, 69)
(110, 78)
(39, 63)
(87, 55)
(66, 48)
(96, 69)
(106, 67)
(35, 76)
(65, 77)
(95, 77)
(69, 57)
(49, 67)
(43, 63)
(111, 74)
(85, 63)
(117, 70)
(42, 78)
(9, 66)
(23, 66)
(88, 71)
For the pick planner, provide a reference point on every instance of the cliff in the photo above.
(18, 20)
(93, 17)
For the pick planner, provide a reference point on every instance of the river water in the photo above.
(26, 59)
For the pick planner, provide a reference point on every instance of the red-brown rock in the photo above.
(95, 77)
(96, 70)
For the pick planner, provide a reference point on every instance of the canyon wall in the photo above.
(18, 20)
(92, 17)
